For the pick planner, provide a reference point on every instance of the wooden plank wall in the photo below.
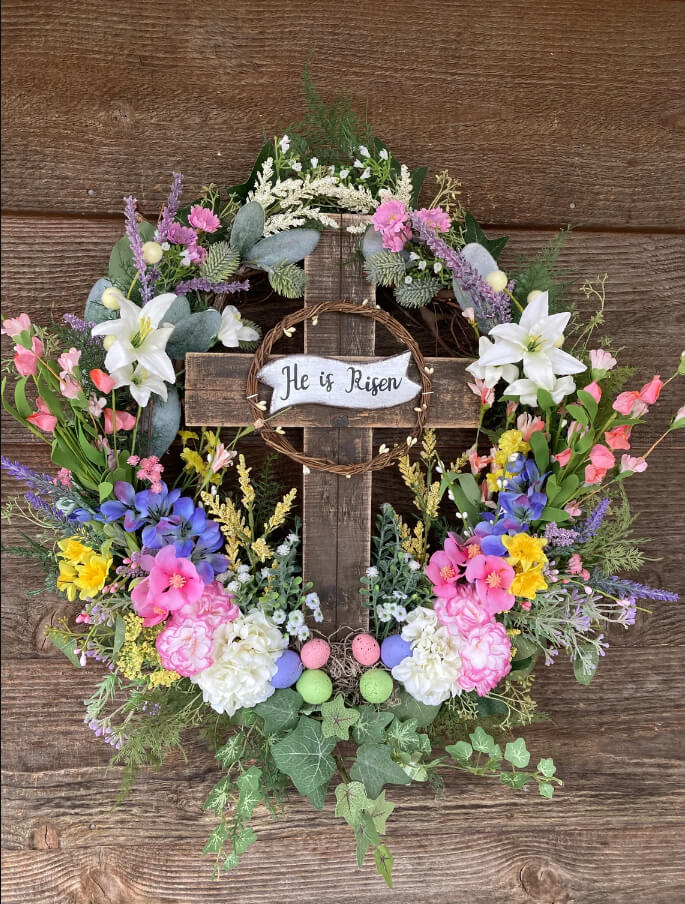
(550, 112)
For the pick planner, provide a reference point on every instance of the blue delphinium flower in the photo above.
(522, 498)
(490, 531)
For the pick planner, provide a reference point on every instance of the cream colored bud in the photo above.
(108, 342)
(152, 252)
(497, 280)
(111, 298)
(533, 295)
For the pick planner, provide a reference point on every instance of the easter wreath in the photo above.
(188, 587)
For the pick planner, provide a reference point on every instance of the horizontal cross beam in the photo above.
(215, 396)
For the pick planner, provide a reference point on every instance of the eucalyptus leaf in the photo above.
(371, 243)
(95, 311)
(194, 334)
(248, 227)
(283, 248)
(165, 421)
(177, 311)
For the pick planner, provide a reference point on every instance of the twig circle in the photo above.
(280, 443)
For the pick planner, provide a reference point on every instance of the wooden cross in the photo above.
(337, 519)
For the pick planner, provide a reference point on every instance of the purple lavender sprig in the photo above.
(560, 536)
(199, 284)
(51, 512)
(170, 209)
(632, 589)
(136, 242)
(589, 528)
(490, 307)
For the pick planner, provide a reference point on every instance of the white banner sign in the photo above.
(311, 380)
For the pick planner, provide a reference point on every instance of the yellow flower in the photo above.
(261, 549)
(525, 550)
(161, 678)
(527, 583)
(194, 461)
(74, 550)
(65, 580)
(187, 434)
(91, 576)
(492, 477)
(510, 442)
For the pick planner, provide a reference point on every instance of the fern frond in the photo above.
(221, 262)
(385, 268)
(417, 293)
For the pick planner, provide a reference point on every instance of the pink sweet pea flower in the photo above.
(203, 219)
(391, 219)
(42, 418)
(601, 362)
(485, 658)
(478, 462)
(563, 457)
(650, 391)
(69, 360)
(576, 427)
(26, 359)
(573, 509)
(101, 380)
(462, 613)
(186, 648)
(435, 217)
(486, 394)
(446, 567)
(12, 326)
(492, 577)
(635, 404)
(602, 459)
(96, 406)
(528, 425)
(636, 465)
(69, 387)
(511, 408)
(469, 314)
(618, 437)
(595, 390)
(124, 420)
(222, 457)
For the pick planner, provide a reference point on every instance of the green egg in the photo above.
(375, 686)
(314, 686)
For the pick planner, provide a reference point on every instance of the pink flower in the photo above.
(469, 314)
(391, 219)
(618, 437)
(435, 217)
(485, 658)
(42, 418)
(563, 457)
(573, 509)
(445, 567)
(462, 613)
(511, 408)
(492, 577)
(478, 462)
(601, 362)
(173, 582)
(487, 395)
(26, 359)
(12, 326)
(650, 391)
(63, 478)
(102, 381)
(149, 610)
(629, 463)
(203, 219)
(576, 427)
(151, 469)
(181, 235)
(133, 460)
(528, 425)
(575, 566)
(196, 254)
(186, 648)
(122, 421)
(602, 459)
(595, 390)
(214, 607)
(635, 404)
(68, 386)
(96, 406)
(222, 457)
(69, 360)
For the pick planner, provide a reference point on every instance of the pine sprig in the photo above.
(385, 268)
(221, 263)
(417, 293)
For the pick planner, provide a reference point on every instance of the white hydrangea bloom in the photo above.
(430, 674)
(245, 652)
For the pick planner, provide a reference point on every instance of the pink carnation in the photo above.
(203, 218)
(26, 359)
(462, 613)
(446, 567)
(12, 326)
(485, 658)
(186, 648)
(181, 235)
(618, 437)
(214, 607)
(435, 217)
(492, 577)
(391, 219)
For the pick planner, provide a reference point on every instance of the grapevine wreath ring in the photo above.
(187, 601)
(280, 443)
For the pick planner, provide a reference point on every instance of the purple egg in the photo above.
(288, 669)
(394, 649)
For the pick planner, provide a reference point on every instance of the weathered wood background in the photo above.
(550, 112)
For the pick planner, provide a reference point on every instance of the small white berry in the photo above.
(497, 280)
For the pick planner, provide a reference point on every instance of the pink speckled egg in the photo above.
(314, 654)
(365, 649)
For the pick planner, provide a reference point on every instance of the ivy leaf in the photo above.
(379, 810)
(351, 801)
(482, 741)
(384, 861)
(462, 751)
(244, 839)
(219, 796)
(231, 751)
(584, 667)
(403, 735)
(216, 839)
(375, 767)
(517, 754)
(250, 795)
(371, 724)
(546, 767)
(337, 719)
(305, 756)
(546, 790)
(280, 712)
(474, 233)
(515, 779)
(409, 708)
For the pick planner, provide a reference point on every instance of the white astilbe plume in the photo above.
(403, 189)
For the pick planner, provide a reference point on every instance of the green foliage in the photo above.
(368, 818)
(268, 492)
(542, 273)
(385, 268)
(95, 311)
(474, 233)
(305, 756)
(417, 293)
(288, 280)
(164, 424)
(221, 262)
(281, 711)
(122, 271)
(248, 226)
(409, 707)
(614, 549)
(375, 767)
(371, 724)
(287, 247)
(337, 719)
(196, 333)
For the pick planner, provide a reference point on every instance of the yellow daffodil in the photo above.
(91, 576)
(527, 583)
(74, 550)
(65, 580)
(525, 551)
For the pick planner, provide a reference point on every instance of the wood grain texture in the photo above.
(549, 112)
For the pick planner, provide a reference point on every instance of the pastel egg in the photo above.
(365, 649)
(288, 669)
(394, 649)
(314, 686)
(375, 686)
(315, 653)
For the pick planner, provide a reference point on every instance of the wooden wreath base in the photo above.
(279, 442)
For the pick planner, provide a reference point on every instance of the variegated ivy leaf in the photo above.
(517, 754)
(337, 719)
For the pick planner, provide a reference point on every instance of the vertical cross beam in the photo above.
(336, 532)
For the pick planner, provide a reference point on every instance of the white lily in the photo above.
(527, 390)
(138, 337)
(232, 330)
(491, 374)
(140, 383)
(535, 340)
